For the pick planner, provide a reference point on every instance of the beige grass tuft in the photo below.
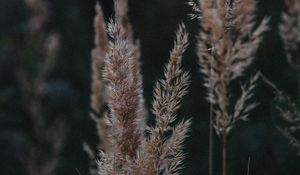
(128, 139)
(227, 43)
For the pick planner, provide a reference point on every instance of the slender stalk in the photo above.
(224, 101)
(298, 84)
(126, 122)
(227, 43)
(211, 141)
(224, 153)
(248, 166)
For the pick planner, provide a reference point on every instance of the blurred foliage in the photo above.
(67, 88)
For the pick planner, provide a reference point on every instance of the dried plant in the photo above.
(248, 166)
(99, 84)
(39, 15)
(128, 139)
(227, 43)
(288, 112)
(168, 93)
(290, 34)
(98, 98)
(98, 54)
(47, 141)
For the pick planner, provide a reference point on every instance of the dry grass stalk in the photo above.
(227, 43)
(290, 34)
(289, 113)
(39, 15)
(99, 84)
(126, 119)
(98, 98)
(47, 141)
(98, 54)
(248, 166)
(168, 93)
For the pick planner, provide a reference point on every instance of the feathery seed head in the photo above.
(290, 32)
(227, 44)
(124, 97)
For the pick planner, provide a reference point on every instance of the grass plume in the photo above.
(289, 114)
(48, 140)
(227, 43)
(129, 140)
(290, 34)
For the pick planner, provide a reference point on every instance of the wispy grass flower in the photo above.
(128, 139)
(227, 43)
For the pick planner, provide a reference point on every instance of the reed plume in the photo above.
(227, 43)
(168, 93)
(289, 114)
(290, 34)
(98, 96)
(98, 54)
(128, 139)
(48, 140)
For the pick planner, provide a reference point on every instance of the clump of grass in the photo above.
(131, 148)
(227, 43)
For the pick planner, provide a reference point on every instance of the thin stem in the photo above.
(211, 141)
(224, 153)
(298, 84)
(224, 121)
(270, 83)
(248, 167)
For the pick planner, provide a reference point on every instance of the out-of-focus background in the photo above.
(52, 81)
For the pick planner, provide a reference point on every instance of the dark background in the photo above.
(154, 23)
